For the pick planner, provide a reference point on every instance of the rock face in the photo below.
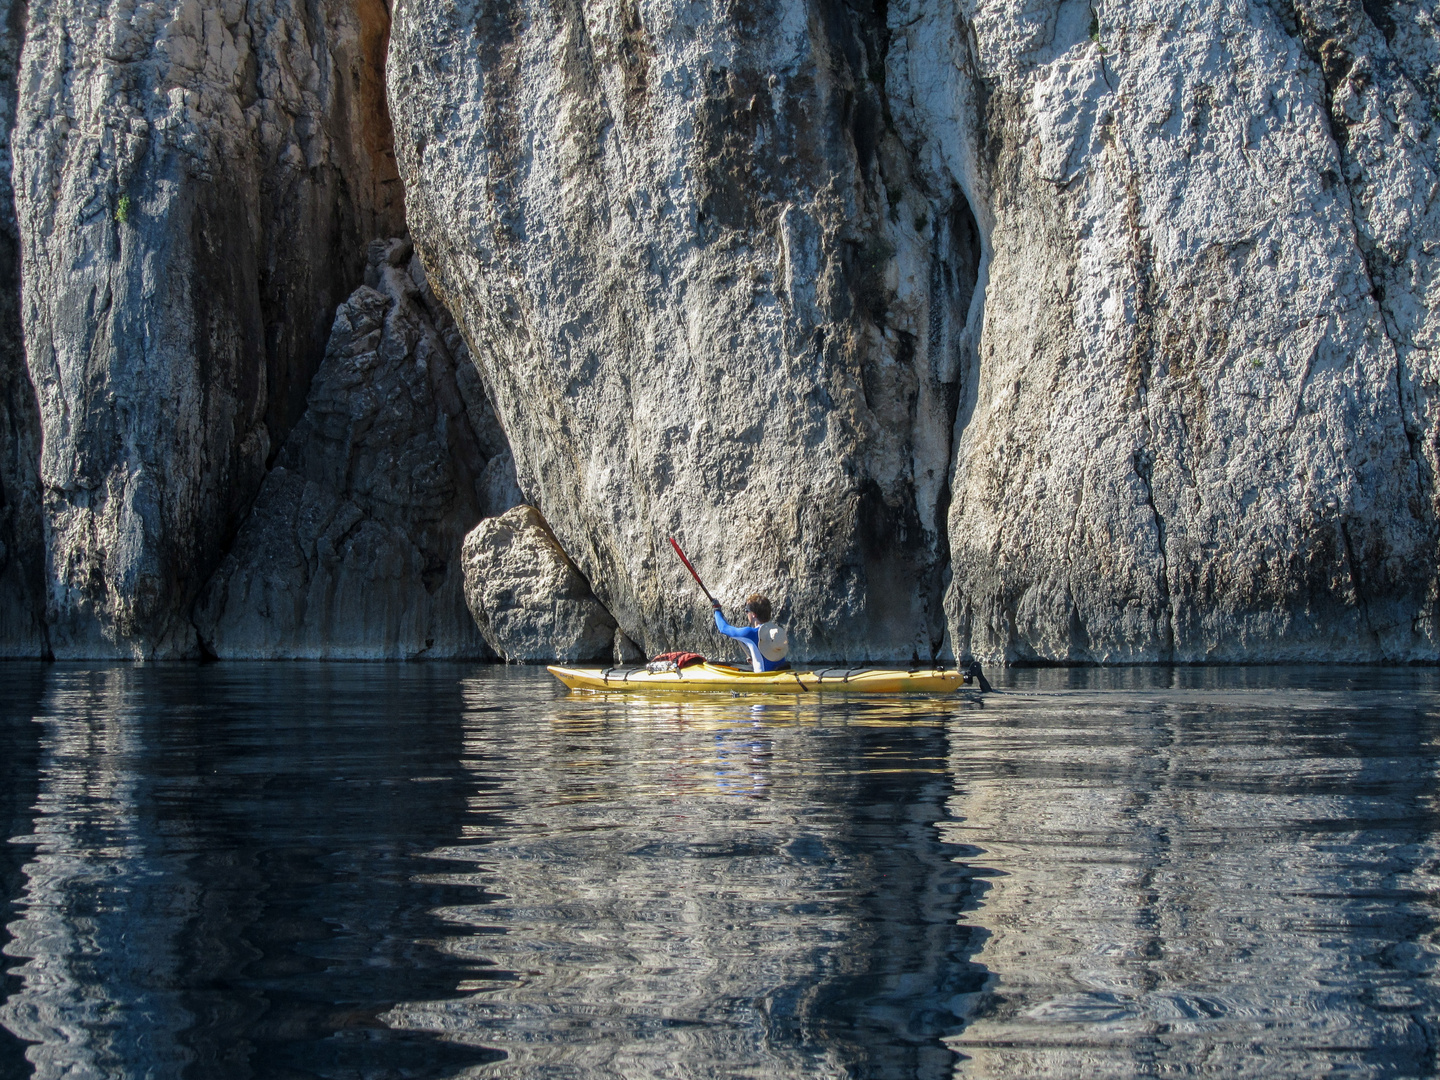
(528, 598)
(715, 293)
(22, 545)
(1075, 332)
(1204, 422)
(1118, 318)
(353, 547)
(195, 187)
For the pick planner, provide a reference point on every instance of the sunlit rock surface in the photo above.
(195, 186)
(527, 597)
(718, 291)
(1202, 427)
(1118, 320)
(353, 547)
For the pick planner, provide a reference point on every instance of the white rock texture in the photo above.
(715, 295)
(1203, 424)
(528, 599)
(1112, 322)
(195, 186)
(353, 547)
(1075, 331)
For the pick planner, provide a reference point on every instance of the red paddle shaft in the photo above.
(696, 576)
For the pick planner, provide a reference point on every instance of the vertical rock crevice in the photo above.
(23, 631)
(913, 265)
(1145, 469)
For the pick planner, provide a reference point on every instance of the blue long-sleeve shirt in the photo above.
(748, 636)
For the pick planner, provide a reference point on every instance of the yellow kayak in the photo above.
(708, 678)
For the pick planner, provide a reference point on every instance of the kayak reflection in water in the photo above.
(763, 639)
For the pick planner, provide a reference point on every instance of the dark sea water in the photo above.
(377, 871)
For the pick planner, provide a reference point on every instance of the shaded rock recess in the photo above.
(353, 546)
(195, 188)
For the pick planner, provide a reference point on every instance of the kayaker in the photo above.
(763, 639)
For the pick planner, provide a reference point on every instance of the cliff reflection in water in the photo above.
(218, 878)
(101, 913)
(706, 888)
(404, 871)
(439, 870)
(1206, 882)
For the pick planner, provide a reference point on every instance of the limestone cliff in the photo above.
(1078, 331)
(195, 187)
(1202, 425)
(22, 546)
(1117, 318)
(716, 293)
(353, 547)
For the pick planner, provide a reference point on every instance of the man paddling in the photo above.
(763, 639)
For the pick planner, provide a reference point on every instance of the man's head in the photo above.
(758, 608)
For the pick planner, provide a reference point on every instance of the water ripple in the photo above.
(1223, 884)
(448, 870)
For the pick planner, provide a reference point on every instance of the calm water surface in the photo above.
(373, 871)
